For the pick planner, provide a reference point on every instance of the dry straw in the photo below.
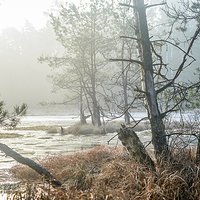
(108, 173)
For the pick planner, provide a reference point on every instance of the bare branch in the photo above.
(126, 60)
(172, 109)
(182, 134)
(127, 5)
(171, 43)
(139, 90)
(181, 66)
(128, 37)
(157, 4)
(147, 6)
(112, 138)
(144, 118)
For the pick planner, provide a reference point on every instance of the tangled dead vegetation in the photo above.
(108, 173)
(109, 127)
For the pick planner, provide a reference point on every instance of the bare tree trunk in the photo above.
(157, 127)
(96, 119)
(35, 166)
(96, 113)
(198, 150)
(124, 83)
(82, 115)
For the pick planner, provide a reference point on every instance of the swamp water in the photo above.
(37, 144)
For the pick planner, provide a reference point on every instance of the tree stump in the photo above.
(135, 147)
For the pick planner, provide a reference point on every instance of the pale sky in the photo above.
(14, 13)
(19, 84)
(25, 81)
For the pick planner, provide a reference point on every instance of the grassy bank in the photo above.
(108, 173)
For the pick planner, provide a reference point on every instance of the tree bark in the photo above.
(32, 164)
(135, 147)
(96, 111)
(96, 118)
(82, 115)
(198, 150)
(157, 126)
(125, 86)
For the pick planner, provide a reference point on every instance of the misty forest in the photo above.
(102, 102)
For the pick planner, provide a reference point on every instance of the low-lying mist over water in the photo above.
(53, 110)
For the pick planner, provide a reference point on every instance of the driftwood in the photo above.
(135, 147)
(32, 164)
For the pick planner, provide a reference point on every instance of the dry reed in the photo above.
(108, 173)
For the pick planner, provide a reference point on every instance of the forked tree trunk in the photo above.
(135, 147)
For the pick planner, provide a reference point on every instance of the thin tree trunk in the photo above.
(32, 164)
(96, 113)
(82, 115)
(96, 119)
(125, 95)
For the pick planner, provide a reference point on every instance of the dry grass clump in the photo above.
(63, 165)
(86, 129)
(109, 127)
(108, 173)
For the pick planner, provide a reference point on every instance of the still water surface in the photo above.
(38, 144)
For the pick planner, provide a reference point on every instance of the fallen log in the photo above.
(32, 164)
(135, 147)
